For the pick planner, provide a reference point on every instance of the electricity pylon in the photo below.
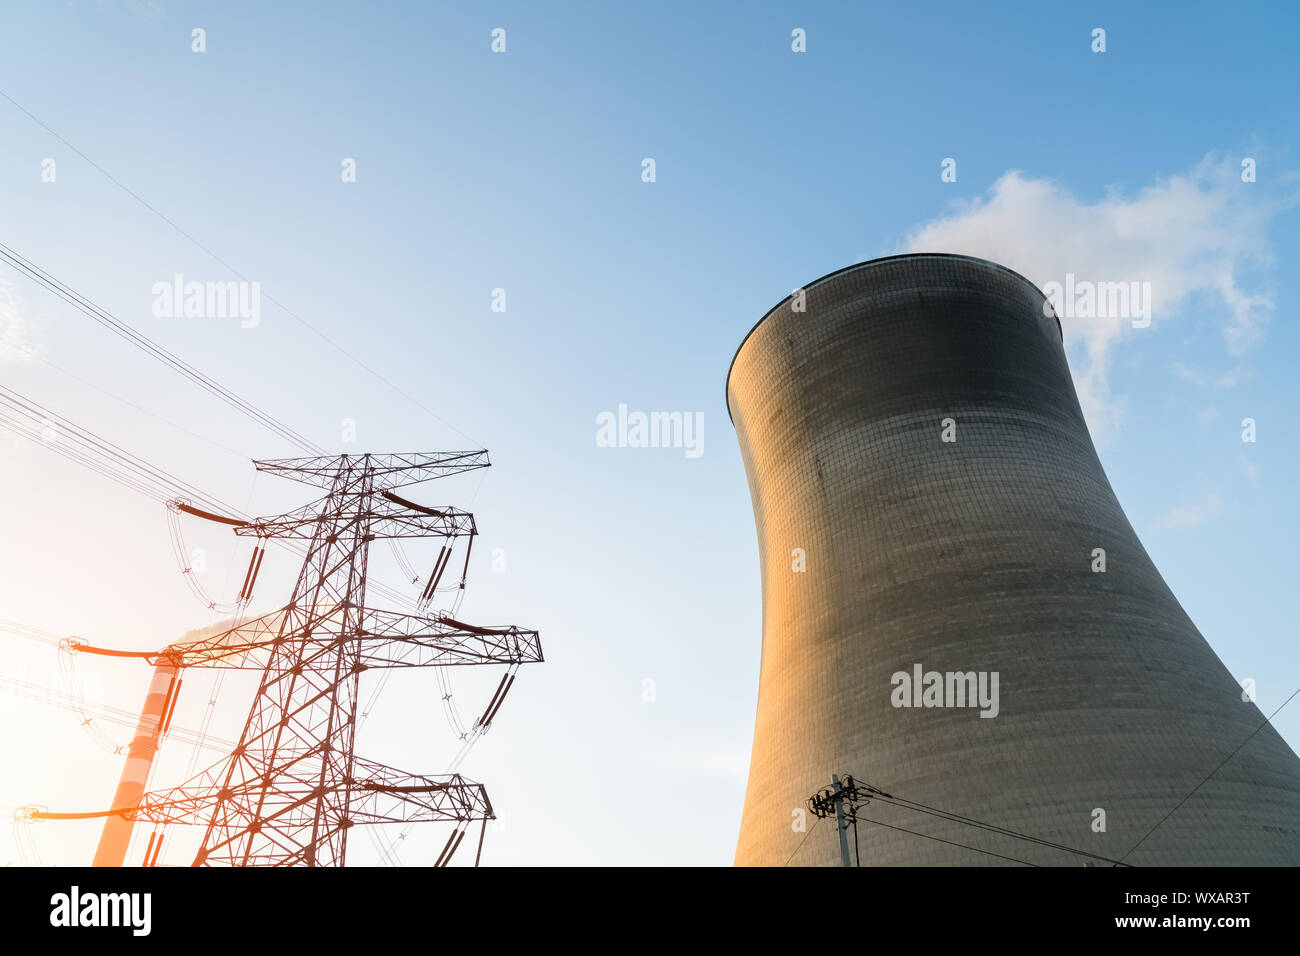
(293, 787)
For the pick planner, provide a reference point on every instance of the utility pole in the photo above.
(842, 799)
(840, 825)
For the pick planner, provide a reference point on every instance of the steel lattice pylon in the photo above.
(293, 787)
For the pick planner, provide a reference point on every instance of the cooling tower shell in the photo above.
(973, 555)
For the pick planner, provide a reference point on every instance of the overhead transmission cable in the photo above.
(115, 463)
(887, 798)
(34, 354)
(142, 342)
(114, 715)
(807, 834)
(28, 419)
(111, 460)
(964, 846)
(153, 349)
(351, 356)
(1267, 721)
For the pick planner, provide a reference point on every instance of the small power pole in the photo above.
(840, 825)
(842, 798)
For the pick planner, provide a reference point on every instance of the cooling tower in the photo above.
(929, 502)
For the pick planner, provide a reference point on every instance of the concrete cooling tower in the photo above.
(956, 610)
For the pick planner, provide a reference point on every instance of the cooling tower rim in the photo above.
(862, 265)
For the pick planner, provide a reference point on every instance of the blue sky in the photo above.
(522, 171)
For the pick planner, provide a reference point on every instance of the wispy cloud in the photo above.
(1228, 379)
(1192, 234)
(1191, 516)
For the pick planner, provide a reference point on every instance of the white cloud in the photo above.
(1191, 516)
(1194, 233)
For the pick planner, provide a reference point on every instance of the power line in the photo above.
(103, 317)
(31, 633)
(854, 794)
(75, 701)
(297, 318)
(139, 475)
(112, 457)
(803, 841)
(949, 842)
(260, 804)
(153, 349)
(78, 457)
(101, 456)
(118, 398)
(990, 827)
(1267, 721)
(110, 464)
(116, 715)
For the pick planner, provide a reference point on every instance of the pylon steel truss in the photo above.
(293, 787)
